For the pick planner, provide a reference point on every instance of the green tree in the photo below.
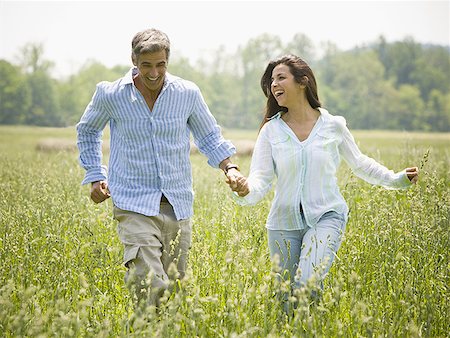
(408, 109)
(302, 46)
(180, 66)
(358, 88)
(400, 59)
(424, 66)
(78, 89)
(254, 57)
(219, 82)
(432, 71)
(400, 85)
(438, 111)
(31, 58)
(15, 98)
(44, 108)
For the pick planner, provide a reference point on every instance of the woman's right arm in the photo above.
(262, 171)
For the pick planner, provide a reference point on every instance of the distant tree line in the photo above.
(401, 85)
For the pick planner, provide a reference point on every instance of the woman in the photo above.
(301, 144)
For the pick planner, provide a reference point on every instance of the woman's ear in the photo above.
(304, 82)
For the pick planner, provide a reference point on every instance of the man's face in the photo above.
(152, 69)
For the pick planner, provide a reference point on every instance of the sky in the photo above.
(73, 32)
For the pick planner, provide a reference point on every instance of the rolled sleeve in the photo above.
(216, 148)
(403, 182)
(242, 201)
(95, 174)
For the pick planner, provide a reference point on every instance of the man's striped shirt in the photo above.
(149, 150)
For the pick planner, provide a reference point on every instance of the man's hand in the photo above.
(99, 191)
(237, 182)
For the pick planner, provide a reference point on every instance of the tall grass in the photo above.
(61, 271)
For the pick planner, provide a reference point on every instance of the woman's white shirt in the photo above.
(306, 171)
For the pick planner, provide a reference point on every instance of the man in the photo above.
(151, 114)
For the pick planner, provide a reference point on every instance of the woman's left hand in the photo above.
(237, 182)
(413, 174)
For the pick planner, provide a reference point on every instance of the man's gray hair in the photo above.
(149, 41)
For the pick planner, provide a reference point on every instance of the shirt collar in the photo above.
(276, 116)
(128, 80)
(128, 77)
(323, 114)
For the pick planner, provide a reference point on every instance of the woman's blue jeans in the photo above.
(310, 252)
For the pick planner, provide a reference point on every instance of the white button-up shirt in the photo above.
(306, 171)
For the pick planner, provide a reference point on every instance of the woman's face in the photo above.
(284, 87)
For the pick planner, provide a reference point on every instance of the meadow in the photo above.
(61, 261)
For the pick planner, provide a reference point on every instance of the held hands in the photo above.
(99, 191)
(413, 174)
(237, 182)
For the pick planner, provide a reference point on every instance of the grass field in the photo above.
(61, 272)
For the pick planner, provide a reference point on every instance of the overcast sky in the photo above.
(75, 31)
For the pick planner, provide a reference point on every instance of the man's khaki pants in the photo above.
(151, 245)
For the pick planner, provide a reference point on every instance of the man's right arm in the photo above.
(89, 138)
(207, 133)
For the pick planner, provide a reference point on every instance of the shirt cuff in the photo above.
(403, 180)
(238, 199)
(247, 200)
(95, 174)
(225, 150)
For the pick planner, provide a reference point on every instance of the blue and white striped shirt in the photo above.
(149, 149)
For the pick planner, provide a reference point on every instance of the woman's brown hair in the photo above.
(302, 74)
